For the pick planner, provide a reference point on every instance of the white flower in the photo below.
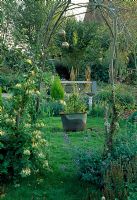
(41, 155)
(27, 125)
(18, 85)
(46, 164)
(33, 73)
(13, 121)
(38, 136)
(30, 92)
(37, 132)
(44, 142)
(37, 92)
(17, 185)
(40, 180)
(25, 172)
(26, 152)
(63, 102)
(29, 61)
(40, 125)
(32, 82)
(34, 145)
(2, 132)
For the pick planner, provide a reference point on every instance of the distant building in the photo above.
(93, 14)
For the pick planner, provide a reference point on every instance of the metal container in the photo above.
(74, 121)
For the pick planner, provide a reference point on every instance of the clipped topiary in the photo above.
(57, 90)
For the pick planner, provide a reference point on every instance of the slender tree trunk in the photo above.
(110, 131)
(113, 125)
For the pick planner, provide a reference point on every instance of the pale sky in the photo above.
(80, 10)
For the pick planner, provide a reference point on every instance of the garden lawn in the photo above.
(61, 181)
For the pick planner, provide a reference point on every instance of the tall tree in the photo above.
(33, 23)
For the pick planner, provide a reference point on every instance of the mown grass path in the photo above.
(61, 182)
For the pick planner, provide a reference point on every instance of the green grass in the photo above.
(61, 182)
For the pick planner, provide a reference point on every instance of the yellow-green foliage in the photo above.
(75, 104)
(57, 90)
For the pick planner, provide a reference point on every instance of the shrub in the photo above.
(16, 60)
(97, 111)
(90, 167)
(75, 103)
(120, 178)
(114, 174)
(21, 152)
(53, 108)
(125, 146)
(8, 79)
(57, 90)
(133, 192)
(23, 148)
(115, 186)
(124, 98)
